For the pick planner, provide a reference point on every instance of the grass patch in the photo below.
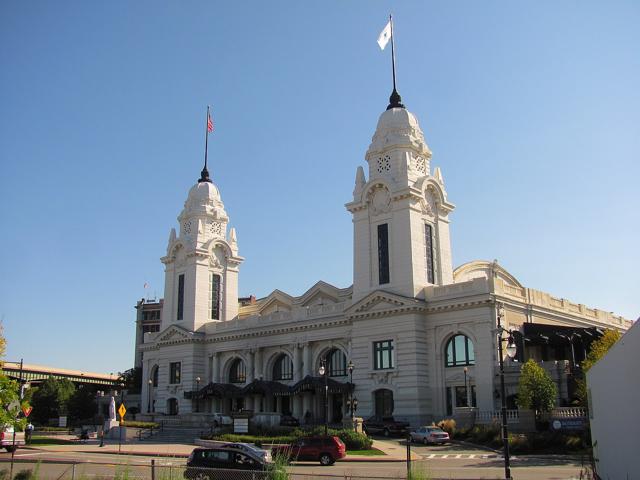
(373, 452)
(37, 440)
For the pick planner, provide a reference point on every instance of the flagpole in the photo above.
(204, 175)
(206, 138)
(393, 54)
(395, 101)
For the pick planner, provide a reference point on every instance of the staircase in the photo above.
(175, 434)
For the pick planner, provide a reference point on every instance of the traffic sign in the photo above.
(122, 410)
(27, 411)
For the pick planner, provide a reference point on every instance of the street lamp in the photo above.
(324, 373)
(150, 383)
(197, 393)
(350, 368)
(511, 352)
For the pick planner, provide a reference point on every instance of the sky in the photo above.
(531, 109)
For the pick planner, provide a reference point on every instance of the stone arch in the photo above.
(228, 363)
(172, 406)
(326, 349)
(383, 401)
(280, 366)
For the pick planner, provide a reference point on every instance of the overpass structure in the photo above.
(35, 374)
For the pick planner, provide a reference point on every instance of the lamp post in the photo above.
(150, 383)
(323, 372)
(354, 407)
(350, 368)
(511, 351)
(197, 392)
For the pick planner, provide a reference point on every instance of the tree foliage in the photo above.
(597, 350)
(132, 379)
(3, 343)
(50, 399)
(82, 404)
(10, 402)
(536, 389)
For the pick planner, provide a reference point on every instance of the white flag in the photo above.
(385, 35)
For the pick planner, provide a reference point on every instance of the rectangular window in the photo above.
(215, 297)
(174, 372)
(383, 355)
(428, 242)
(383, 254)
(180, 314)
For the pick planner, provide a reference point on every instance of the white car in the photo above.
(429, 435)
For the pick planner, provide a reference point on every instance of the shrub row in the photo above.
(134, 424)
(351, 439)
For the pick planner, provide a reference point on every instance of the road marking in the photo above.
(432, 455)
(472, 456)
(445, 456)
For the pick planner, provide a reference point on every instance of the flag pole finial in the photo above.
(395, 100)
(204, 174)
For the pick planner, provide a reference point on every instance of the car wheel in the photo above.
(11, 449)
(326, 459)
(425, 441)
(201, 476)
(386, 432)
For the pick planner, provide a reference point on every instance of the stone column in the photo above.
(297, 363)
(215, 363)
(258, 373)
(251, 369)
(306, 359)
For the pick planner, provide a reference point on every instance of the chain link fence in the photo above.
(154, 470)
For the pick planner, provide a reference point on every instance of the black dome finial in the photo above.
(395, 101)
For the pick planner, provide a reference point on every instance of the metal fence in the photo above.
(154, 470)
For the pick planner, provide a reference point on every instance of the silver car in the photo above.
(265, 455)
(429, 435)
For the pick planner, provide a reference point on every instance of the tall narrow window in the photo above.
(383, 254)
(383, 355)
(428, 242)
(180, 314)
(215, 297)
(174, 372)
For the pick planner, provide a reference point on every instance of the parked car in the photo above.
(387, 426)
(251, 449)
(220, 420)
(289, 421)
(7, 441)
(216, 463)
(429, 435)
(326, 450)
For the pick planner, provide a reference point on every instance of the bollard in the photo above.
(73, 472)
(153, 469)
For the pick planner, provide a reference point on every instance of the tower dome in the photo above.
(398, 127)
(204, 198)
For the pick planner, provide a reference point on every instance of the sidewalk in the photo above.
(393, 451)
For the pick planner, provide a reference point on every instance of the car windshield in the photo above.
(435, 430)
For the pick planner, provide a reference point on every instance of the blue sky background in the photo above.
(532, 109)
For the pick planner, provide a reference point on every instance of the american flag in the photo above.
(209, 123)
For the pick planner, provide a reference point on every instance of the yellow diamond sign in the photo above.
(122, 410)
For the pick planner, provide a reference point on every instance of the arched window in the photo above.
(337, 361)
(460, 351)
(283, 368)
(238, 372)
(154, 376)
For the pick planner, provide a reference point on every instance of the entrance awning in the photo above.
(313, 384)
(266, 387)
(220, 390)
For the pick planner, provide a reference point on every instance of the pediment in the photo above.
(321, 293)
(381, 301)
(174, 333)
(277, 301)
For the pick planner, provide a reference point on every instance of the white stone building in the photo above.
(410, 323)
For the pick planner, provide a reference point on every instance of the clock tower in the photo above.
(201, 264)
(400, 212)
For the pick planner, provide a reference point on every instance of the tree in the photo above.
(132, 379)
(10, 402)
(50, 399)
(536, 390)
(82, 404)
(597, 350)
(3, 343)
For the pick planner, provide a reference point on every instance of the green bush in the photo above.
(4, 474)
(134, 424)
(24, 475)
(448, 425)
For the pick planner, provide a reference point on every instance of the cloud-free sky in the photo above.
(531, 109)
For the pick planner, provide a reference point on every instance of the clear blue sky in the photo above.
(532, 109)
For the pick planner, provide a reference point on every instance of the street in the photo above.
(453, 462)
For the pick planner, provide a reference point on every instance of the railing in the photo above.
(568, 412)
(495, 416)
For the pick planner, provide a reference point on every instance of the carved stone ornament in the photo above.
(429, 206)
(420, 165)
(217, 259)
(215, 228)
(380, 201)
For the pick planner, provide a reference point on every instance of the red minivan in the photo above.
(326, 450)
